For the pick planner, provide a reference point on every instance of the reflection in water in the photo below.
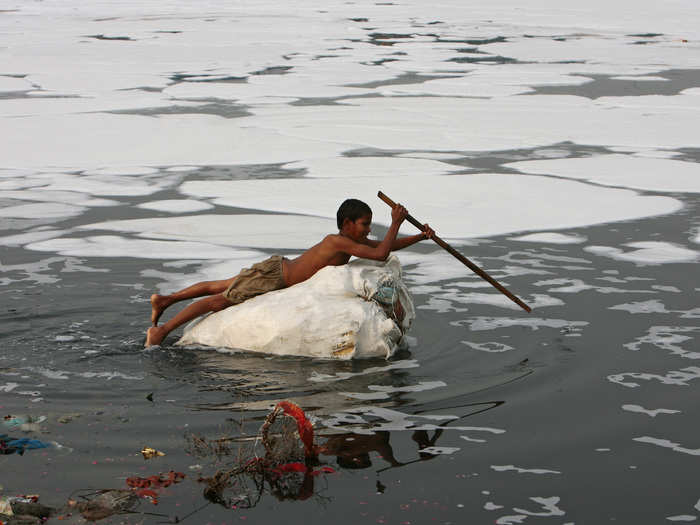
(284, 471)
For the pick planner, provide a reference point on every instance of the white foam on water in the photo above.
(115, 246)
(621, 170)
(549, 507)
(341, 376)
(181, 169)
(489, 505)
(353, 167)
(673, 377)
(9, 84)
(116, 185)
(519, 470)
(176, 206)
(430, 155)
(510, 520)
(445, 201)
(438, 451)
(505, 123)
(668, 338)
(664, 288)
(647, 253)
(534, 323)
(249, 230)
(491, 346)
(383, 392)
(123, 170)
(8, 387)
(44, 210)
(649, 78)
(472, 440)
(652, 306)
(682, 517)
(64, 197)
(578, 285)
(665, 443)
(650, 412)
(491, 299)
(550, 238)
(30, 237)
(94, 140)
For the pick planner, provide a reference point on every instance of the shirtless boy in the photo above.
(354, 219)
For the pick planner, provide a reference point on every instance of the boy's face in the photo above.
(359, 229)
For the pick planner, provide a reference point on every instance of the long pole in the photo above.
(473, 267)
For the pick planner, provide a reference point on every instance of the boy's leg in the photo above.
(160, 302)
(214, 303)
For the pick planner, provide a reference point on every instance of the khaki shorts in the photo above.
(260, 278)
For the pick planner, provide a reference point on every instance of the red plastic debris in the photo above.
(306, 430)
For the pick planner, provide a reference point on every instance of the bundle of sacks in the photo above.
(359, 310)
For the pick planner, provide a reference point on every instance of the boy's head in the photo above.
(354, 217)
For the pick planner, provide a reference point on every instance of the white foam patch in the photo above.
(549, 507)
(682, 517)
(649, 412)
(341, 376)
(649, 78)
(383, 392)
(506, 468)
(665, 443)
(621, 170)
(182, 169)
(472, 440)
(9, 84)
(668, 338)
(510, 520)
(123, 170)
(578, 285)
(491, 346)
(63, 197)
(354, 167)
(385, 419)
(653, 306)
(101, 184)
(44, 210)
(647, 253)
(115, 246)
(444, 201)
(250, 230)
(64, 374)
(505, 123)
(534, 323)
(674, 377)
(447, 299)
(94, 140)
(30, 237)
(176, 206)
(438, 451)
(550, 238)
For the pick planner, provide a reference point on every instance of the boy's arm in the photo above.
(405, 242)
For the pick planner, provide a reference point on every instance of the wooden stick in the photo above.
(473, 267)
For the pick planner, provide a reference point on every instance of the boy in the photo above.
(354, 218)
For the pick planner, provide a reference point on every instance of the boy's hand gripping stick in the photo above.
(473, 267)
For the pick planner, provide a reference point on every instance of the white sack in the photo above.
(331, 315)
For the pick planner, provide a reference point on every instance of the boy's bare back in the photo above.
(336, 249)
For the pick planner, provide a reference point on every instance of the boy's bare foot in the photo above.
(158, 304)
(154, 336)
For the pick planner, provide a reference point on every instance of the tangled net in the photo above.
(286, 468)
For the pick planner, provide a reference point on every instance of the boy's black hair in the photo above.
(352, 209)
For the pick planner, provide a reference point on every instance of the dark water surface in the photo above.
(538, 432)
